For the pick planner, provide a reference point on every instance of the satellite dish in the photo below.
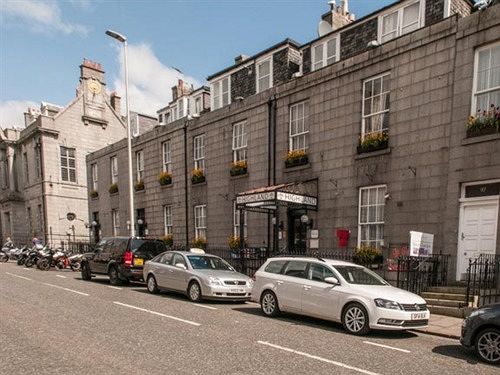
(324, 28)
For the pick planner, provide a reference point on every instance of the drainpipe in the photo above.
(186, 207)
(271, 168)
(44, 197)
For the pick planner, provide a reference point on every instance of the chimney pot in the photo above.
(115, 100)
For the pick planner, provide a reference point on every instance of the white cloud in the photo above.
(12, 112)
(150, 81)
(40, 16)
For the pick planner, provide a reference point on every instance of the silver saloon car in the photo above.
(198, 275)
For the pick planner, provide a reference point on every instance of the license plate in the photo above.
(418, 316)
(138, 262)
(236, 290)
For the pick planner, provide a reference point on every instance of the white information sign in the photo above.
(421, 244)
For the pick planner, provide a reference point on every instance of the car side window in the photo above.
(275, 266)
(166, 258)
(296, 269)
(318, 272)
(177, 258)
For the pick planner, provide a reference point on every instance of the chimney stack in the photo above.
(338, 16)
(115, 100)
(240, 58)
(91, 69)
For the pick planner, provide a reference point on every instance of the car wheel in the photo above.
(86, 274)
(355, 319)
(488, 345)
(269, 304)
(194, 291)
(114, 277)
(152, 286)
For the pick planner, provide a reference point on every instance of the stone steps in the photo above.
(448, 289)
(444, 302)
(448, 311)
(444, 296)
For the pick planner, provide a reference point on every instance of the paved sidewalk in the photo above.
(445, 326)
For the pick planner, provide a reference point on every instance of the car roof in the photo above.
(183, 252)
(331, 262)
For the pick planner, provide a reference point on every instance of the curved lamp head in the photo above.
(113, 34)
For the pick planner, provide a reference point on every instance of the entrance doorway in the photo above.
(478, 225)
(297, 232)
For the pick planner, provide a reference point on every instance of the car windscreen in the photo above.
(147, 249)
(204, 262)
(360, 275)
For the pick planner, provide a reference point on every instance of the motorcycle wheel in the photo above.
(44, 265)
(75, 266)
(4, 258)
(21, 261)
(60, 265)
(29, 263)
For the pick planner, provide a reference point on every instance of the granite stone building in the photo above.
(355, 138)
(43, 175)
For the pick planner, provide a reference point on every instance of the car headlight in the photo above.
(386, 304)
(214, 281)
(250, 283)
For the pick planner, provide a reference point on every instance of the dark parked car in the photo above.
(481, 330)
(121, 258)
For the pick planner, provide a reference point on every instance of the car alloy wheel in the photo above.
(355, 319)
(488, 345)
(114, 278)
(194, 292)
(152, 286)
(269, 304)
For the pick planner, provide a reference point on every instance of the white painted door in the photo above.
(477, 234)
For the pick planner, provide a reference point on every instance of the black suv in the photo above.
(121, 258)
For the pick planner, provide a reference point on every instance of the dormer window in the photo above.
(264, 75)
(401, 21)
(197, 105)
(160, 118)
(180, 106)
(325, 53)
(220, 93)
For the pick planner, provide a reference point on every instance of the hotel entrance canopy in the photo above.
(268, 199)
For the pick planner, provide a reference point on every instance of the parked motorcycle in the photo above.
(46, 259)
(75, 262)
(21, 259)
(61, 259)
(4, 255)
(34, 255)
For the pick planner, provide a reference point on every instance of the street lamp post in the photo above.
(122, 39)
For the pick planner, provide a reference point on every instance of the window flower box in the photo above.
(368, 256)
(373, 142)
(199, 243)
(94, 194)
(197, 176)
(113, 189)
(165, 178)
(486, 122)
(139, 185)
(238, 168)
(168, 240)
(296, 158)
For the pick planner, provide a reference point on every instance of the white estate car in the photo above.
(338, 291)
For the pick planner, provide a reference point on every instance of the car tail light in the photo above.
(127, 258)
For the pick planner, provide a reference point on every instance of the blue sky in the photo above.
(42, 43)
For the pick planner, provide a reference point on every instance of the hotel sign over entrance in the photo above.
(257, 197)
(296, 198)
(276, 197)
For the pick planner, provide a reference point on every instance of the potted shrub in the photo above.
(238, 168)
(199, 243)
(139, 185)
(296, 158)
(113, 189)
(373, 142)
(197, 176)
(485, 122)
(94, 194)
(165, 178)
(367, 255)
(168, 240)
(234, 242)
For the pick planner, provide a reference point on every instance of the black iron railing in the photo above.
(483, 281)
(415, 274)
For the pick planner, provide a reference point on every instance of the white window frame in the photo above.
(399, 23)
(305, 131)
(26, 168)
(381, 189)
(269, 60)
(236, 222)
(168, 227)
(95, 176)
(475, 92)
(160, 118)
(373, 114)
(135, 130)
(197, 105)
(139, 165)
(115, 221)
(199, 152)
(67, 167)
(180, 108)
(173, 112)
(324, 54)
(240, 141)
(200, 221)
(217, 95)
(166, 156)
(113, 164)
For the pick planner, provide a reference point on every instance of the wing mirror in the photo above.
(181, 266)
(332, 280)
